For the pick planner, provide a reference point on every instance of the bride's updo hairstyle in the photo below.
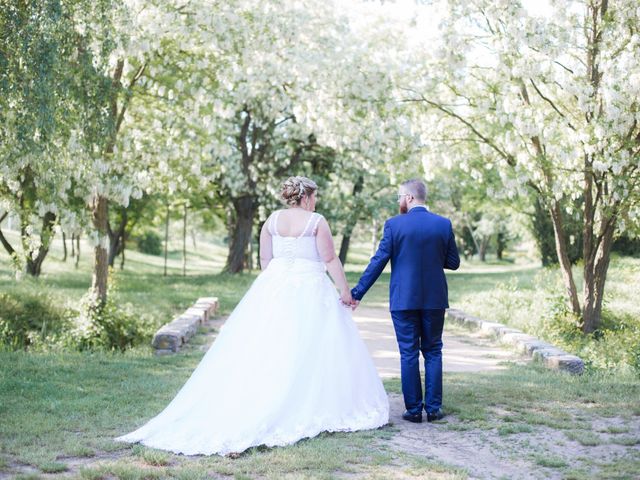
(294, 189)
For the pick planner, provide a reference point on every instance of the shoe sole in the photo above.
(412, 420)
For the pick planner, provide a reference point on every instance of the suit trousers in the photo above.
(420, 331)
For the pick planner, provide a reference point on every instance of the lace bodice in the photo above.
(303, 246)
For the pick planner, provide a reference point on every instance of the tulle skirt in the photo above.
(288, 364)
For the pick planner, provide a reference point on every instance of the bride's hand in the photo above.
(345, 298)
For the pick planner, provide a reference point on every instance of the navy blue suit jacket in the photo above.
(420, 245)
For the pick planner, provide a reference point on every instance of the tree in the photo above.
(35, 107)
(552, 104)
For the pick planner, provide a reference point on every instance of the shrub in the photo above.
(627, 245)
(150, 243)
(31, 320)
(615, 345)
(111, 325)
(37, 321)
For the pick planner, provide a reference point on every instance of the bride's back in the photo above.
(293, 232)
(294, 222)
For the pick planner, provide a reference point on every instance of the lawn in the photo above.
(60, 410)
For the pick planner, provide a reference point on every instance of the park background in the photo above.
(143, 144)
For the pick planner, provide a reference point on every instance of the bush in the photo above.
(627, 245)
(543, 312)
(37, 321)
(110, 326)
(150, 243)
(32, 320)
(614, 346)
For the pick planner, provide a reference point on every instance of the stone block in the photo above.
(517, 337)
(531, 346)
(187, 325)
(543, 353)
(211, 303)
(491, 328)
(170, 337)
(454, 315)
(504, 330)
(566, 363)
(200, 313)
(167, 340)
(473, 322)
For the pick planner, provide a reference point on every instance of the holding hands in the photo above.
(348, 301)
(345, 297)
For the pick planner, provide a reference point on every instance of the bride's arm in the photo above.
(327, 252)
(266, 249)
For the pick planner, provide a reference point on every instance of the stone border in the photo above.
(543, 352)
(171, 336)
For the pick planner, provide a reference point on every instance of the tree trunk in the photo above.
(484, 244)
(73, 245)
(5, 243)
(374, 236)
(77, 250)
(116, 239)
(344, 247)
(352, 220)
(64, 246)
(122, 252)
(473, 237)
(34, 265)
(256, 239)
(184, 242)
(596, 250)
(166, 239)
(543, 233)
(240, 233)
(563, 258)
(101, 255)
(596, 266)
(249, 259)
(501, 245)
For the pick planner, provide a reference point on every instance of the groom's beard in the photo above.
(403, 209)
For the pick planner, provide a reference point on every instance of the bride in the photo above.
(289, 362)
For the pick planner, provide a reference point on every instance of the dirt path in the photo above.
(467, 352)
(481, 453)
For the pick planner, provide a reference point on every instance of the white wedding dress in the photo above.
(288, 364)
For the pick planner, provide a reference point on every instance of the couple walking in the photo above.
(289, 362)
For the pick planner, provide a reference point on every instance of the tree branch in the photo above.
(553, 105)
(5, 243)
(509, 158)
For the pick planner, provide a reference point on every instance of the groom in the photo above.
(420, 246)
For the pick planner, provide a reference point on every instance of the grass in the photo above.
(52, 403)
(551, 462)
(61, 406)
(531, 299)
(141, 283)
(587, 439)
(626, 440)
(514, 428)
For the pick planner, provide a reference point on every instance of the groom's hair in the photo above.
(417, 188)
